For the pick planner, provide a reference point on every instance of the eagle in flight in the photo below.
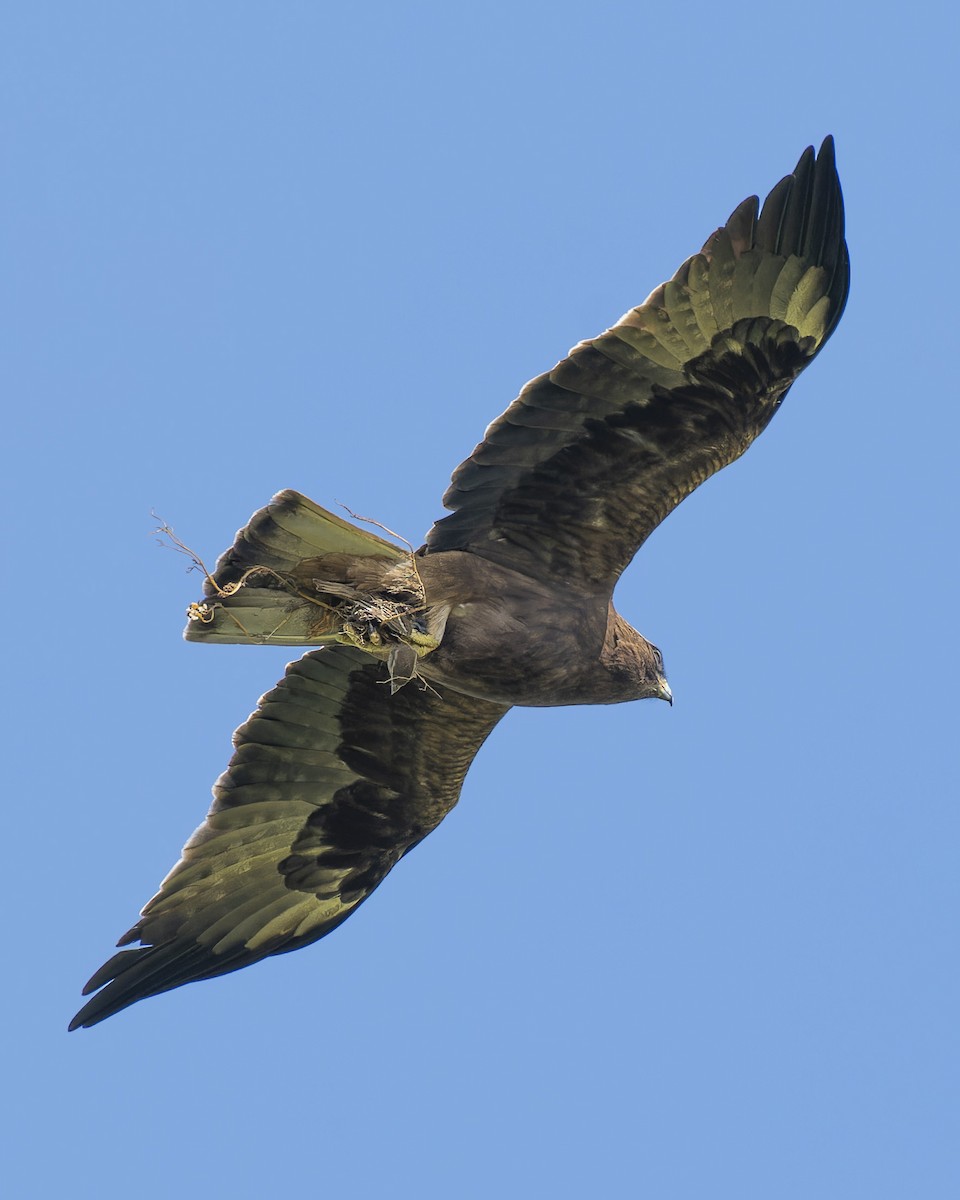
(361, 749)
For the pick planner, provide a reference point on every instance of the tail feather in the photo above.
(257, 593)
(288, 530)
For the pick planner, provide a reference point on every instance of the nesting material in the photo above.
(390, 620)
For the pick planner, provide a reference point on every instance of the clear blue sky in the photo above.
(701, 952)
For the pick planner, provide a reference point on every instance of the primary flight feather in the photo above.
(361, 749)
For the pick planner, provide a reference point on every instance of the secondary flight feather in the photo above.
(361, 749)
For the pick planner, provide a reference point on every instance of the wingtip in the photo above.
(90, 1014)
(827, 150)
(805, 161)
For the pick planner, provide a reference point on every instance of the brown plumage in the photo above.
(336, 776)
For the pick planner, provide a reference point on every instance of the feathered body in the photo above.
(509, 602)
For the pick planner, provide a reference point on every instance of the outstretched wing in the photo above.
(333, 780)
(592, 456)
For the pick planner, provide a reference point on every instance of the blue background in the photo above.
(701, 952)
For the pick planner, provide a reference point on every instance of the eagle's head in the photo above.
(635, 663)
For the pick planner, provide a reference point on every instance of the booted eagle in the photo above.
(361, 749)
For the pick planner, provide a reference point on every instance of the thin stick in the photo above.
(182, 548)
(379, 525)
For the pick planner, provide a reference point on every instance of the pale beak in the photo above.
(665, 693)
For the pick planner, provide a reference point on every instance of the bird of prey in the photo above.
(361, 749)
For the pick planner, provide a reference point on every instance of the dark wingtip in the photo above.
(803, 214)
(826, 153)
(834, 251)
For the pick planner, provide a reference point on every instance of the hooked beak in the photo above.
(665, 693)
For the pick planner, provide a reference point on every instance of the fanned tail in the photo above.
(263, 589)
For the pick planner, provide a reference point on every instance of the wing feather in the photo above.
(332, 781)
(631, 422)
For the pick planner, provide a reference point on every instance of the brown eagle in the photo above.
(361, 749)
